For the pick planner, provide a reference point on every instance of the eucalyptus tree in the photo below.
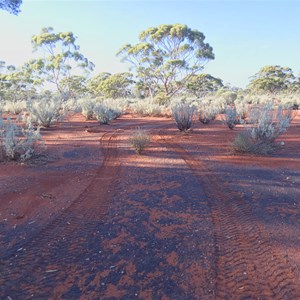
(12, 6)
(74, 86)
(61, 56)
(201, 84)
(167, 56)
(16, 83)
(272, 79)
(117, 85)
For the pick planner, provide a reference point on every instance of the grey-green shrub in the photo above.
(45, 110)
(146, 107)
(87, 107)
(183, 114)
(231, 116)
(139, 140)
(206, 112)
(103, 113)
(14, 107)
(18, 142)
(266, 124)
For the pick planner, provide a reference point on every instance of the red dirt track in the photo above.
(90, 219)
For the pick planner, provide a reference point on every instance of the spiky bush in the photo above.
(266, 124)
(45, 110)
(18, 142)
(139, 140)
(183, 114)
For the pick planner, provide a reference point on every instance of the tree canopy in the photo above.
(272, 79)
(60, 56)
(167, 56)
(112, 86)
(201, 84)
(15, 83)
(12, 6)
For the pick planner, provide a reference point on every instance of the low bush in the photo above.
(206, 113)
(104, 114)
(266, 124)
(87, 107)
(14, 107)
(45, 110)
(139, 140)
(231, 116)
(146, 107)
(18, 142)
(183, 114)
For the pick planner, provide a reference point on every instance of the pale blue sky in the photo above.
(245, 35)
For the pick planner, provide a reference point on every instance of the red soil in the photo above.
(90, 219)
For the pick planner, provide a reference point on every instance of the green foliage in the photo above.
(167, 56)
(112, 86)
(74, 86)
(12, 6)
(202, 84)
(139, 140)
(60, 56)
(272, 79)
(162, 99)
(16, 84)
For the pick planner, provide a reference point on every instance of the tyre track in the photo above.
(247, 265)
(47, 259)
(54, 241)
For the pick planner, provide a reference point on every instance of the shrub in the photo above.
(242, 108)
(183, 115)
(87, 107)
(162, 99)
(45, 110)
(139, 140)
(18, 142)
(207, 112)
(117, 105)
(146, 107)
(104, 114)
(14, 107)
(231, 116)
(267, 123)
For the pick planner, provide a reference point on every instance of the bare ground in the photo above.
(187, 220)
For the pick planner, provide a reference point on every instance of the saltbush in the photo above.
(104, 114)
(231, 116)
(266, 124)
(146, 107)
(45, 110)
(18, 142)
